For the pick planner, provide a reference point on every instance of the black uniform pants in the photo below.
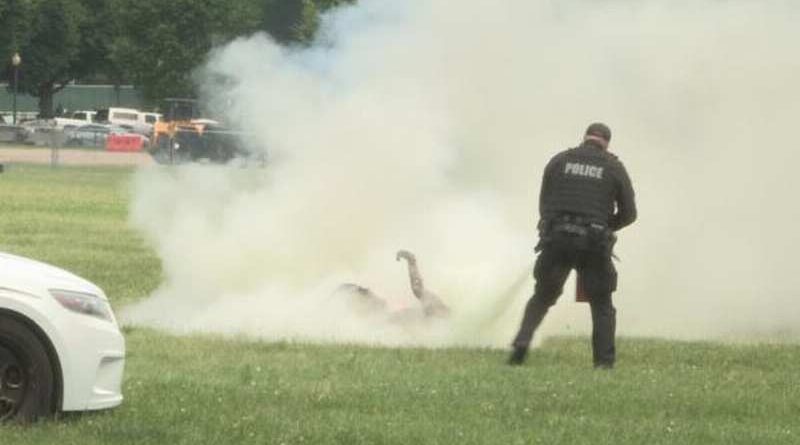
(560, 255)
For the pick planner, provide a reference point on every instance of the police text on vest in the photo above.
(587, 170)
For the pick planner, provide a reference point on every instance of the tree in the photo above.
(324, 5)
(59, 41)
(162, 42)
(154, 44)
(97, 33)
(291, 21)
(51, 50)
(13, 17)
(7, 30)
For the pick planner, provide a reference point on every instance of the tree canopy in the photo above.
(153, 44)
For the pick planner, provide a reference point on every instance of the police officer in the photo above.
(586, 196)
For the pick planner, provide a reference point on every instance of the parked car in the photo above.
(215, 143)
(92, 135)
(38, 131)
(60, 345)
(84, 116)
(11, 133)
(75, 119)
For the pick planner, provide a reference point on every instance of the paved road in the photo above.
(10, 154)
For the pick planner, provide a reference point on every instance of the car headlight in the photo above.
(83, 303)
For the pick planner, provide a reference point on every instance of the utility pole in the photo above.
(16, 60)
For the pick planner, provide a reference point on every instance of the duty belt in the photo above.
(577, 225)
(574, 229)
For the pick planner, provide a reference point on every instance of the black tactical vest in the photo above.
(586, 181)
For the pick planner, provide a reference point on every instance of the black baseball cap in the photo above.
(600, 130)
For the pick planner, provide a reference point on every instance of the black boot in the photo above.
(517, 357)
(604, 365)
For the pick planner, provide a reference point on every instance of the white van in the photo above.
(138, 121)
(124, 117)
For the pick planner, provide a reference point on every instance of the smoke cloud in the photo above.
(425, 125)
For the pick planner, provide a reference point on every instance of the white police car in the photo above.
(60, 346)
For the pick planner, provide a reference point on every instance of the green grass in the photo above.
(76, 218)
(213, 390)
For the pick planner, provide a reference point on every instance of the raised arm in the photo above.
(417, 286)
(431, 303)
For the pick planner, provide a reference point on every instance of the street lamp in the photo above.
(15, 61)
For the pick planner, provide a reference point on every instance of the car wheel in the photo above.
(26, 374)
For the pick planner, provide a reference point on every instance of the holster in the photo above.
(579, 231)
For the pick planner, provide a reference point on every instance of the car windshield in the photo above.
(101, 116)
(179, 110)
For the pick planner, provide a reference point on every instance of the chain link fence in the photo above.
(42, 136)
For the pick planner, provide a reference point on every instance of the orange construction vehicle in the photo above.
(184, 135)
(179, 117)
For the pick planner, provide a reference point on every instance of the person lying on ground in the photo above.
(368, 302)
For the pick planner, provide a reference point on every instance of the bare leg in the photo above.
(431, 303)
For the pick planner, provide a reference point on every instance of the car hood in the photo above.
(31, 276)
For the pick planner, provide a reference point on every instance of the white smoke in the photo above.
(425, 125)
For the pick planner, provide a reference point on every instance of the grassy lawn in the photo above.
(212, 390)
(76, 218)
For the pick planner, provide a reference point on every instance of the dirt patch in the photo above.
(70, 156)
